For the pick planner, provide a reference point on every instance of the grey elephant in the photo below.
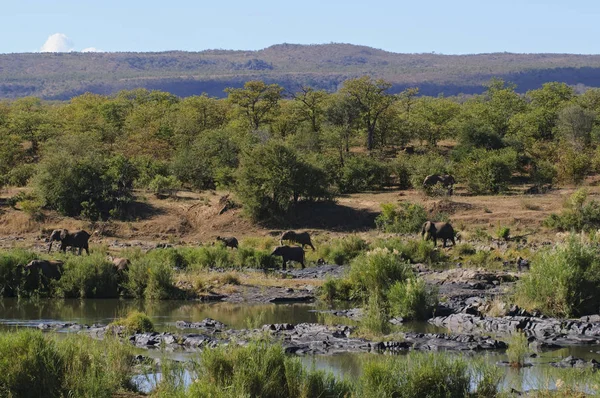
(303, 238)
(438, 230)
(121, 264)
(77, 239)
(229, 241)
(446, 180)
(39, 272)
(289, 253)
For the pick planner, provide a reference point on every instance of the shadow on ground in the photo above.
(326, 215)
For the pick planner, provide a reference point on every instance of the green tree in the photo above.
(575, 126)
(256, 100)
(311, 106)
(29, 120)
(371, 99)
(432, 118)
(272, 178)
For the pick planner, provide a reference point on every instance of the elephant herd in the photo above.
(79, 240)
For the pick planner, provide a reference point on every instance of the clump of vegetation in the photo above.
(412, 299)
(163, 186)
(487, 171)
(362, 173)
(563, 281)
(424, 375)
(88, 277)
(135, 322)
(579, 214)
(341, 251)
(403, 218)
(261, 370)
(465, 249)
(39, 365)
(518, 349)
(415, 251)
(503, 232)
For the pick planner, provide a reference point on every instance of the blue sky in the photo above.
(442, 26)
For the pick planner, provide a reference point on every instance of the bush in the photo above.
(337, 289)
(362, 173)
(92, 185)
(503, 232)
(90, 276)
(148, 168)
(272, 178)
(564, 281)
(406, 218)
(486, 172)
(572, 165)
(164, 186)
(19, 176)
(135, 322)
(149, 278)
(421, 166)
(578, 214)
(412, 299)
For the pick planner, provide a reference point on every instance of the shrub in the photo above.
(88, 277)
(135, 322)
(148, 168)
(572, 165)
(563, 281)
(578, 214)
(19, 176)
(412, 299)
(92, 185)
(272, 178)
(465, 249)
(518, 348)
(362, 173)
(163, 186)
(543, 172)
(160, 282)
(406, 218)
(149, 278)
(33, 208)
(488, 171)
(503, 232)
(376, 316)
(337, 289)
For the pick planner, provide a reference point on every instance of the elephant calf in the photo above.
(121, 264)
(289, 253)
(438, 230)
(77, 239)
(303, 238)
(229, 241)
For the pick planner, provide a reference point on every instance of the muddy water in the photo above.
(164, 314)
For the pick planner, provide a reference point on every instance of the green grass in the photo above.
(135, 322)
(37, 365)
(518, 349)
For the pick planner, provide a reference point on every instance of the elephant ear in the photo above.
(63, 233)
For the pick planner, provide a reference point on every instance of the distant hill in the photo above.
(60, 76)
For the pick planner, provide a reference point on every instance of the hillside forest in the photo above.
(275, 149)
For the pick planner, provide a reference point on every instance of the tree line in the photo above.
(275, 148)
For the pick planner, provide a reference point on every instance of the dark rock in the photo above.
(207, 323)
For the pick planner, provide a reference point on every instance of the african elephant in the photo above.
(303, 238)
(289, 253)
(446, 180)
(41, 272)
(438, 230)
(229, 241)
(78, 239)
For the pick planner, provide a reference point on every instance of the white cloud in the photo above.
(57, 43)
(91, 50)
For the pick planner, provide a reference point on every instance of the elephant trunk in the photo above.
(50, 246)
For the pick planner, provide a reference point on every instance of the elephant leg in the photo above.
(453, 241)
(63, 248)
(79, 251)
(444, 243)
(311, 245)
(87, 249)
(284, 265)
(434, 241)
(302, 264)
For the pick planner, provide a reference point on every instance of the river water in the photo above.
(164, 314)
